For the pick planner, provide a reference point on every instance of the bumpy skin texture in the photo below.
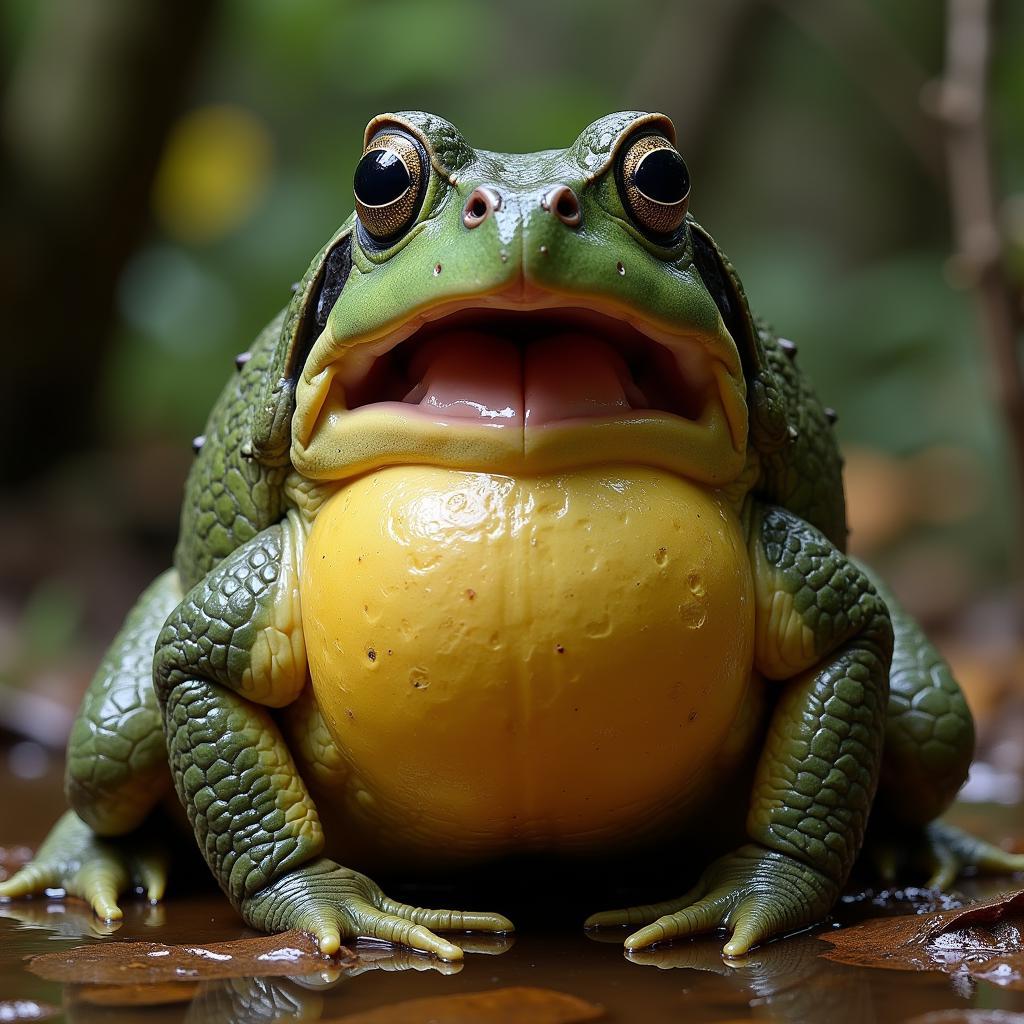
(229, 495)
(117, 759)
(820, 763)
(806, 475)
(929, 732)
(250, 811)
(233, 646)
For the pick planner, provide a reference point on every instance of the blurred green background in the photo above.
(170, 169)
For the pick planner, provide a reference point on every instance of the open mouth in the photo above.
(530, 369)
(495, 383)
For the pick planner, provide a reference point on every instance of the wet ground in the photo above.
(783, 981)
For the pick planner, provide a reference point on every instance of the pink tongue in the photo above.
(470, 375)
(572, 376)
(475, 375)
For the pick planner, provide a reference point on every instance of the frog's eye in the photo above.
(654, 183)
(389, 185)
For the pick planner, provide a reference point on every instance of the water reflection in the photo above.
(258, 999)
(787, 978)
(69, 919)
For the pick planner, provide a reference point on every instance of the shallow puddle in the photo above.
(784, 981)
(557, 972)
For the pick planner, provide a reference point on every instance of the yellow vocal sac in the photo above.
(512, 664)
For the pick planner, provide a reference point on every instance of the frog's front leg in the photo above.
(821, 627)
(233, 648)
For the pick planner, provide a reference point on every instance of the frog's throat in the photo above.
(531, 383)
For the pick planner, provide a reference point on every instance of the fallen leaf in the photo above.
(154, 993)
(517, 1005)
(984, 940)
(129, 963)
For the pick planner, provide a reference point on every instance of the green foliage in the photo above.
(838, 228)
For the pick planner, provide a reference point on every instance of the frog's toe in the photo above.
(450, 920)
(333, 903)
(32, 880)
(948, 852)
(99, 881)
(702, 916)
(149, 870)
(99, 871)
(646, 913)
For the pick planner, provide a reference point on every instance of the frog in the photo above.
(516, 533)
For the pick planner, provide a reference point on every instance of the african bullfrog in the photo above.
(514, 534)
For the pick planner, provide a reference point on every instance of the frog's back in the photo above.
(230, 495)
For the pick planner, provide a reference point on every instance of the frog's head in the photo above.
(522, 313)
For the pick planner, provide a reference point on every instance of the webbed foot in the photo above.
(335, 903)
(97, 870)
(941, 850)
(755, 893)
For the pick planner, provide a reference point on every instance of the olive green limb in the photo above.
(816, 778)
(116, 773)
(75, 859)
(929, 737)
(241, 625)
(233, 645)
(937, 850)
(260, 834)
(929, 743)
(117, 759)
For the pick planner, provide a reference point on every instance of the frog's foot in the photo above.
(943, 852)
(755, 893)
(97, 870)
(335, 903)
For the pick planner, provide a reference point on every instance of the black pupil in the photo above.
(662, 176)
(380, 178)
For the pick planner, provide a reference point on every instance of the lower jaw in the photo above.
(353, 443)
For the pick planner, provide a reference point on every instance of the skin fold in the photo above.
(211, 686)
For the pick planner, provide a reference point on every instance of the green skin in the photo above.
(872, 718)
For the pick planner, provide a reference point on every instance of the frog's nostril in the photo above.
(562, 202)
(479, 206)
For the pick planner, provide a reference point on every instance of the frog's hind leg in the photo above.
(929, 743)
(116, 773)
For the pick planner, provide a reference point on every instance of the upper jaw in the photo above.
(523, 380)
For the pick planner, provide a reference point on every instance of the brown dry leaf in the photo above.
(155, 993)
(129, 963)
(985, 940)
(517, 1005)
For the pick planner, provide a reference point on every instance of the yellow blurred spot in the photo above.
(214, 170)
